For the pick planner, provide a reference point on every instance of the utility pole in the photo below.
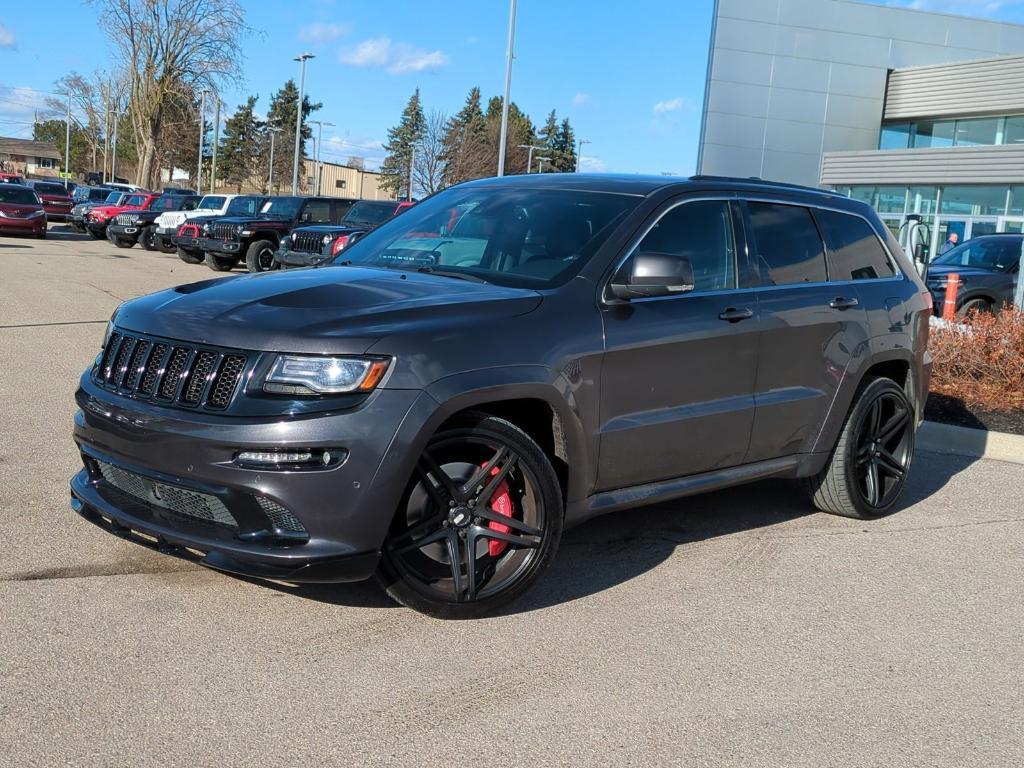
(412, 165)
(67, 143)
(216, 140)
(202, 130)
(319, 146)
(529, 158)
(113, 152)
(270, 181)
(106, 130)
(579, 152)
(508, 87)
(301, 58)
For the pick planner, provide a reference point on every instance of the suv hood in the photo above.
(338, 310)
(253, 220)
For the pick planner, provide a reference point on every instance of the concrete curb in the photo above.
(977, 443)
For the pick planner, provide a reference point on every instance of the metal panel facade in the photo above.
(951, 165)
(791, 79)
(993, 87)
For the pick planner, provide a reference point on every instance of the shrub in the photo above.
(982, 360)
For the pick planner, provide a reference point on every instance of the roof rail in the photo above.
(759, 181)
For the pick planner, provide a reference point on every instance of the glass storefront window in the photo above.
(976, 133)
(973, 201)
(935, 133)
(895, 136)
(890, 199)
(1013, 133)
(922, 200)
(1016, 207)
(864, 194)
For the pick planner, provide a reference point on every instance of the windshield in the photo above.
(508, 236)
(285, 207)
(114, 198)
(135, 201)
(50, 189)
(995, 253)
(211, 202)
(368, 214)
(244, 206)
(167, 203)
(19, 195)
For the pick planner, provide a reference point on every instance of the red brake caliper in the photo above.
(501, 502)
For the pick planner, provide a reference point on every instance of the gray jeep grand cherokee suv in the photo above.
(509, 357)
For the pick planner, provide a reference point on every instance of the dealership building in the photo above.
(911, 111)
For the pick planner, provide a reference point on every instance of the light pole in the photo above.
(202, 130)
(508, 87)
(412, 165)
(579, 152)
(106, 132)
(529, 158)
(216, 141)
(67, 143)
(301, 58)
(270, 180)
(319, 145)
(540, 163)
(113, 151)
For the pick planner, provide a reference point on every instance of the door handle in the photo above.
(735, 314)
(841, 302)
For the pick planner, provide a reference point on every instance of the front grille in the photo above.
(126, 219)
(308, 242)
(182, 501)
(188, 230)
(178, 374)
(223, 232)
(279, 516)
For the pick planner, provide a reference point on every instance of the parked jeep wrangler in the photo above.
(180, 231)
(226, 241)
(131, 227)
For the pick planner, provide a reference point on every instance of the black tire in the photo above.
(430, 525)
(41, 235)
(96, 235)
(259, 257)
(869, 467)
(121, 242)
(972, 306)
(164, 245)
(147, 239)
(190, 257)
(221, 263)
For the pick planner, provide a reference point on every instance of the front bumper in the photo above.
(125, 233)
(225, 247)
(292, 259)
(344, 510)
(58, 215)
(23, 226)
(99, 227)
(185, 242)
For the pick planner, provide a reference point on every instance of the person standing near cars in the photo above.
(950, 244)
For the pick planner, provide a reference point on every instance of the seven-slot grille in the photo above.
(173, 373)
(308, 242)
(126, 219)
(220, 231)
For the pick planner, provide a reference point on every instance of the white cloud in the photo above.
(18, 108)
(6, 38)
(669, 105)
(581, 99)
(592, 164)
(320, 32)
(396, 58)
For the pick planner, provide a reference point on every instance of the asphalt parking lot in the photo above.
(733, 629)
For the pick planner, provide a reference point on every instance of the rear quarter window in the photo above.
(854, 251)
(788, 248)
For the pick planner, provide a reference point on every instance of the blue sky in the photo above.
(629, 75)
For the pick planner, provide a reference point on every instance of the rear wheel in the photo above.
(148, 239)
(478, 523)
(973, 306)
(190, 257)
(221, 263)
(869, 467)
(260, 256)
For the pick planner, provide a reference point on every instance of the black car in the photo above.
(318, 243)
(435, 408)
(189, 235)
(228, 240)
(988, 268)
(131, 227)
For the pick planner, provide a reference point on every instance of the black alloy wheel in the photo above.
(479, 521)
(148, 239)
(870, 464)
(259, 257)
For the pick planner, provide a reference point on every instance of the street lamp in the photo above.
(529, 158)
(319, 145)
(301, 58)
(113, 149)
(67, 143)
(273, 133)
(202, 130)
(579, 153)
(508, 88)
(540, 163)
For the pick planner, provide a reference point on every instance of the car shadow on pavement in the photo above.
(616, 548)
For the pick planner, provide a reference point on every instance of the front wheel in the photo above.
(121, 242)
(148, 239)
(260, 256)
(96, 235)
(190, 257)
(478, 523)
(220, 263)
(868, 469)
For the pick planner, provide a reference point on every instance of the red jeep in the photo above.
(98, 218)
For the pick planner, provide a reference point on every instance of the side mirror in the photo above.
(653, 274)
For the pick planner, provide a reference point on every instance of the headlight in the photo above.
(286, 242)
(302, 375)
(239, 228)
(327, 239)
(36, 214)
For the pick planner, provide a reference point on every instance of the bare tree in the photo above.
(428, 174)
(168, 49)
(88, 110)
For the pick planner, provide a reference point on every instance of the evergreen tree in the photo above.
(240, 151)
(55, 131)
(282, 115)
(520, 131)
(547, 137)
(466, 152)
(565, 149)
(402, 139)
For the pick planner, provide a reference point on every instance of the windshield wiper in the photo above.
(427, 270)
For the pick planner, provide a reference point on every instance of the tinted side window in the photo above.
(338, 209)
(316, 212)
(854, 252)
(789, 249)
(702, 232)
